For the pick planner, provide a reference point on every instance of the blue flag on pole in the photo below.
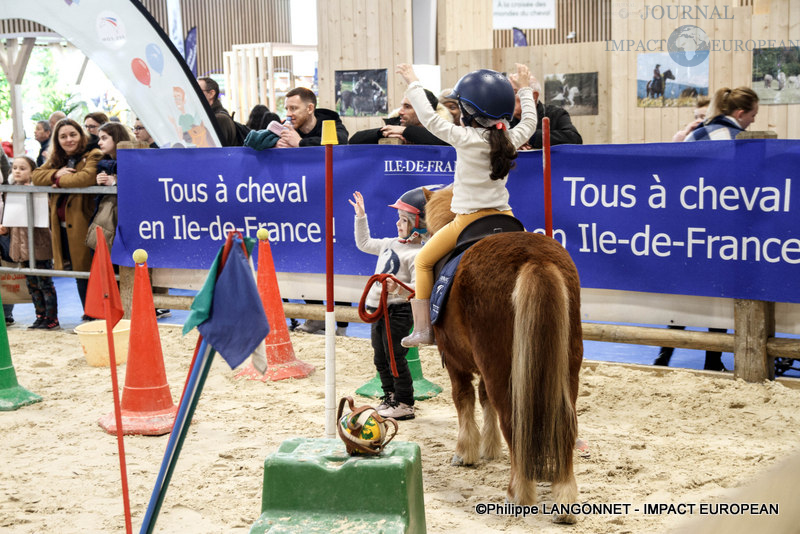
(190, 50)
(519, 37)
(234, 322)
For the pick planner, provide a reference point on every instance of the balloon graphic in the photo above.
(154, 57)
(140, 70)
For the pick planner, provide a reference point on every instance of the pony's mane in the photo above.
(437, 209)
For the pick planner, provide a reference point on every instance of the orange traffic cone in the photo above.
(281, 361)
(147, 406)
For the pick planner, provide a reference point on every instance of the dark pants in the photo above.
(82, 283)
(43, 292)
(5, 245)
(400, 322)
(713, 358)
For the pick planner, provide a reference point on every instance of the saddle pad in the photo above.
(441, 288)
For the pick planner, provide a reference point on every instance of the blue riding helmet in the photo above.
(487, 92)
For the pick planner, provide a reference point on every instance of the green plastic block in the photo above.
(313, 485)
(423, 388)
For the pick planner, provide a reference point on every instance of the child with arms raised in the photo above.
(396, 257)
(485, 153)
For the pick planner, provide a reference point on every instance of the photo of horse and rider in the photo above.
(661, 82)
(361, 93)
(776, 75)
(575, 92)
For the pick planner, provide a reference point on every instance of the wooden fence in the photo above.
(753, 341)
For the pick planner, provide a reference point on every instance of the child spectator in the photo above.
(112, 136)
(395, 256)
(105, 215)
(41, 288)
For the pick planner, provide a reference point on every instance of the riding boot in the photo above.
(422, 334)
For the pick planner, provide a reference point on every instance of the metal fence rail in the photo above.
(29, 191)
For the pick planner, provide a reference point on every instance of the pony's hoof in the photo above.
(458, 461)
(490, 456)
(565, 519)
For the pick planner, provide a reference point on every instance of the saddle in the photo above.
(445, 269)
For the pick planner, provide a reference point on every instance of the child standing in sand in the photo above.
(396, 257)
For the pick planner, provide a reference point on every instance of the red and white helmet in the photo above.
(412, 206)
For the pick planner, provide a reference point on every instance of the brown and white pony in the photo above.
(513, 319)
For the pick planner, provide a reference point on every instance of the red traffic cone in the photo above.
(281, 361)
(147, 406)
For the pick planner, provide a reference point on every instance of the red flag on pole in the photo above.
(104, 302)
(100, 278)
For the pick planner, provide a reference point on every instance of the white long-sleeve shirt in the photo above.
(394, 258)
(473, 187)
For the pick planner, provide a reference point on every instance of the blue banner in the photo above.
(710, 219)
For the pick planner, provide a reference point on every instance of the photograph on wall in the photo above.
(661, 82)
(577, 92)
(361, 93)
(776, 75)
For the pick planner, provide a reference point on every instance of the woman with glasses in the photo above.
(71, 164)
(141, 134)
(91, 123)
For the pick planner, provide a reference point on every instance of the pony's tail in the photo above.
(544, 424)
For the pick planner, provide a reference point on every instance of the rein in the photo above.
(382, 310)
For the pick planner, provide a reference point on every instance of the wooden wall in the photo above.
(222, 24)
(765, 19)
(551, 59)
(589, 19)
(463, 25)
(348, 33)
(362, 34)
(620, 120)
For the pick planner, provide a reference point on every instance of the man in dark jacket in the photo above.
(304, 128)
(306, 120)
(405, 126)
(562, 131)
(42, 135)
(227, 129)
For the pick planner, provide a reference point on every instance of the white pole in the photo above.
(330, 374)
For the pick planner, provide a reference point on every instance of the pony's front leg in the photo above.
(491, 448)
(468, 436)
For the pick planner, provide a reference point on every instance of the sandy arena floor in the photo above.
(669, 437)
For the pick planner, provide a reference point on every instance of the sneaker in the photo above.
(38, 322)
(312, 327)
(293, 324)
(161, 313)
(341, 330)
(387, 401)
(400, 412)
(9, 321)
(50, 324)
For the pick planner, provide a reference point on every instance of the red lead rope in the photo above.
(381, 311)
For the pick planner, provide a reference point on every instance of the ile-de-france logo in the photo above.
(110, 30)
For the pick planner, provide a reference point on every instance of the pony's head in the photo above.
(437, 208)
